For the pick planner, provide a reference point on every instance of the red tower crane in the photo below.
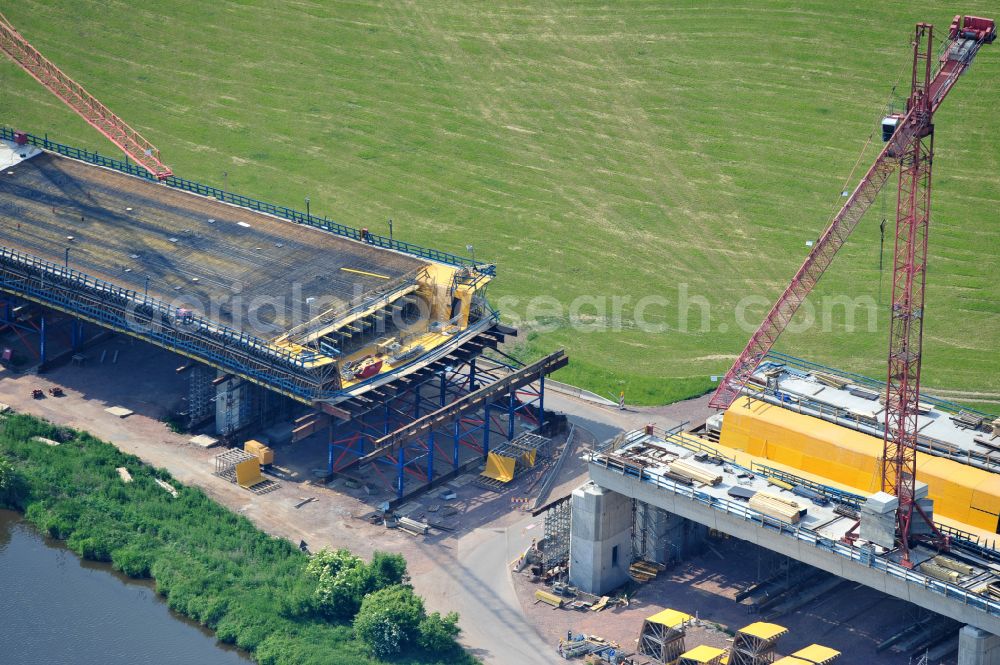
(82, 102)
(908, 151)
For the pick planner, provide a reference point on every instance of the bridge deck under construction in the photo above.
(249, 271)
(298, 304)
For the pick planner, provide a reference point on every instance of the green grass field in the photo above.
(626, 149)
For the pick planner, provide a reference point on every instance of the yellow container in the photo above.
(262, 452)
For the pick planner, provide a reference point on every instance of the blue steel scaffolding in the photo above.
(431, 428)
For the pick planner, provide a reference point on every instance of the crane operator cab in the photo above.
(889, 125)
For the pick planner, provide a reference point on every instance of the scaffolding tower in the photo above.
(556, 525)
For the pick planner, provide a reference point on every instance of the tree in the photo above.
(343, 579)
(11, 486)
(389, 620)
(388, 569)
(437, 634)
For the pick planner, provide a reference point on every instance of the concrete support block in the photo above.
(601, 539)
(977, 647)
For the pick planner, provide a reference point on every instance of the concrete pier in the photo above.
(978, 647)
(601, 539)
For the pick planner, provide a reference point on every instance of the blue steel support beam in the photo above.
(486, 430)
(401, 466)
(41, 341)
(472, 374)
(331, 436)
(457, 441)
(444, 389)
(511, 409)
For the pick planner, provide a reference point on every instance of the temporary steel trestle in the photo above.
(464, 404)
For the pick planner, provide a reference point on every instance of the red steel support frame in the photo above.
(96, 114)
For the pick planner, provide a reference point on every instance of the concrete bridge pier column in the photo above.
(600, 539)
(977, 647)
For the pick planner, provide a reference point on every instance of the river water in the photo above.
(56, 609)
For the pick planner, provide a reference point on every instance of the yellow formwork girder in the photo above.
(500, 468)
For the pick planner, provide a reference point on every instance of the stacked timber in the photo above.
(939, 572)
(831, 380)
(644, 571)
(780, 508)
(697, 474)
(954, 564)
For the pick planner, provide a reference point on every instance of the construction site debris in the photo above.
(413, 526)
(119, 411)
(305, 500)
(204, 441)
(124, 474)
(46, 441)
(167, 487)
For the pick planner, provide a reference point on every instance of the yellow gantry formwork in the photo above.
(702, 655)
(964, 494)
(816, 654)
(662, 635)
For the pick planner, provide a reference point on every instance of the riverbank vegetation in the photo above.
(256, 591)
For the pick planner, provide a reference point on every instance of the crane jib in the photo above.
(966, 36)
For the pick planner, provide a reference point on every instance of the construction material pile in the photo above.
(784, 510)
(695, 473)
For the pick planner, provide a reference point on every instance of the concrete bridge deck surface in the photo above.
(244, 269)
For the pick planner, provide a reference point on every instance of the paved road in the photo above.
(477, 579)
(477, 584)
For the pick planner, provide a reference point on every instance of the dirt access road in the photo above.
(466, 571)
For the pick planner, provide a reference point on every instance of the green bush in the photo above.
(437, 634)
(134, 560)
(257, 592)
(389, 620)
(12, 486)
